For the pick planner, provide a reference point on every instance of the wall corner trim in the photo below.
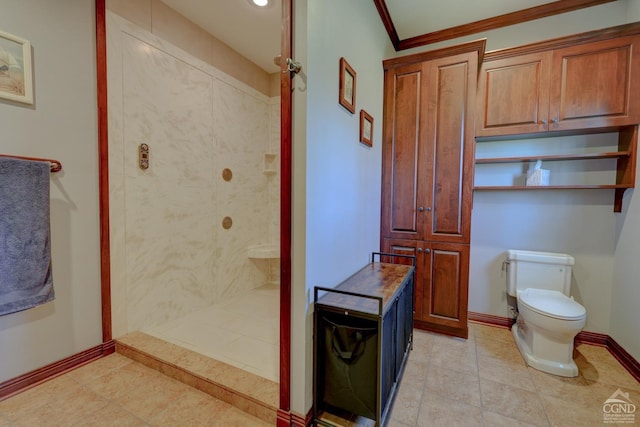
(31, 379)
(288, 419)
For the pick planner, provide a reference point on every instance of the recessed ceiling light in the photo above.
(261, 3)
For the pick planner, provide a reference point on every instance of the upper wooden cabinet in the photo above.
(513, 95)
(593, 85)
(585, 86)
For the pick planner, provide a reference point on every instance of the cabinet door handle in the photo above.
(555, 121)
(427, 251)
(419, 250)
(429, 209)
(420, 209)
(543, 121)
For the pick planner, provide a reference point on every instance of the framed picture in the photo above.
(366, 128)
(347, 95)
(15, 69)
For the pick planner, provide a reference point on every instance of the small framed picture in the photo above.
(347, 95)
(15, 69)
(366, 128)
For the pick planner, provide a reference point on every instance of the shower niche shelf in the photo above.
(270, 166)
(266, 251)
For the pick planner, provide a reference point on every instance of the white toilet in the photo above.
(548, 319)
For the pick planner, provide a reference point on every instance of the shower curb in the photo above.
(256, 405)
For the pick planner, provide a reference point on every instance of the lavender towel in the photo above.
(25, 248)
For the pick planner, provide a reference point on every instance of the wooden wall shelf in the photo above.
(625, 167)
(555, 157)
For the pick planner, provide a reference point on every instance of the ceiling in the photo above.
(254, 32)
(434, 15)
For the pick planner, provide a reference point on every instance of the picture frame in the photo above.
(366, 128)
(347, 92)
(16, 80)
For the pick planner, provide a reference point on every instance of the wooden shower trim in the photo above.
(103, 168)
(513, 18)
(286, 51)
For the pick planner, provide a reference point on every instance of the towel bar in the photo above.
(56, 166)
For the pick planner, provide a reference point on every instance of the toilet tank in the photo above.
(539, 270)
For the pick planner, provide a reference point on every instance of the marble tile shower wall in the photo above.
(170, 253)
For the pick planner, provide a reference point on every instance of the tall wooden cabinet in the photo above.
(427, 177)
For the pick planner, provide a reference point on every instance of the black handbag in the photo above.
(350, 358)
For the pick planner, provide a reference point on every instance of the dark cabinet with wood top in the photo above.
(363, 331)
(427, 175)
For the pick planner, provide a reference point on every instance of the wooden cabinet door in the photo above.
(441, 283)
(513, 95)
(446, 286)
(411, 248)
(451, 89)
(403, 153)
(592, 85)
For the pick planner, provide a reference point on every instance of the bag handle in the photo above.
(343, 354)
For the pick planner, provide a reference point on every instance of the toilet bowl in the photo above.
(548, 319)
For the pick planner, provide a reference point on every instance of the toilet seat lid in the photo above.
(552, 303)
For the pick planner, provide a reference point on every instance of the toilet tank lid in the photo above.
(541, 257)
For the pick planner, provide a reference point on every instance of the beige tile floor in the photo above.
(481, 381)
(116, 391)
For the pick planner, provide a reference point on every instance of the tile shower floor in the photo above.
(242, 331)
(481, 381)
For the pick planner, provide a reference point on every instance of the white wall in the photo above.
(625, 298)
(633, 10)
(337, 214)
(592, 18)
(61, 124)
(579, 222)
